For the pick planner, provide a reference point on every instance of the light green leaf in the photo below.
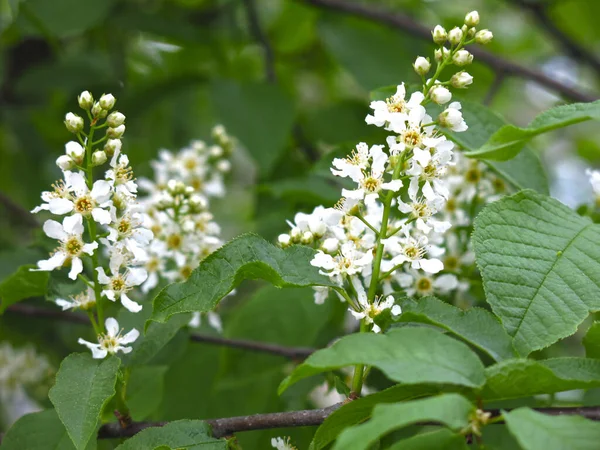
(359, 410)
(22, 285)
(83, 387)
(39, 431)
(525, 171)
(262, 118)
(178, 434)
(443, 439)
(540, 264)
(509, 140)
(246, 257)
(407, 355)
(451, 410)
(476, 326)
(145, 390)
(591, 341)
(534, 431)
(525, 377)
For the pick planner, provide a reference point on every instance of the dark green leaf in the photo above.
(540, 264)
(476, 326)
(145, 390)
(443, 439)
(178, 434)
(536, 431)
(83, 387)
(246, 257)
(524, 377)
(408, 355)
(22, 285)
(591, 341)
(451, 410)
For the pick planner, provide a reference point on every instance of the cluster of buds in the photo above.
(386, 234)
(176, 209)
(100, 220)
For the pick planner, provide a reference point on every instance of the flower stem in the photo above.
(359, 369)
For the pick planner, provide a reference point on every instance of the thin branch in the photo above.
(312, 417)
(18, 211)
(262, 39)
(494, 88)
(293, 353)
(539, 11)
(499, 64)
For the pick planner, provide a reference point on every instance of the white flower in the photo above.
(353, 164)
(320, 295)
(413, 250)
(462, 58)
(84, 202)
(368, 311)
(422, 285)
(440, 95)
(384, 111)
(422, 65)
(452, 118)
(121, 174)
(71, 245)
(472, 19)
(111, 342)
(282, 444)
(284, 240)
(84, 300)
(64, 162)
(119, 284)
(115, 119)
(594, 176)
(98, 158)
(461, 79)
(484, 37)
(455, 35)
(116, 132)
(422, 209)
(349, 261)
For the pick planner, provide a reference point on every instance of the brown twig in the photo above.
(18, 211)
(499, 64)
(293, 353)
(539, 11)
(262, 39)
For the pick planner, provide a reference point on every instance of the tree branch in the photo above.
(18, 211)
(539, 12)
(257, 31)
(293, 353)
(499, 64)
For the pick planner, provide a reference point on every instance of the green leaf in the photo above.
(178, 434)
(246, 257)
(534, 431)
(591, 341)
(476, 326)
(145, 390)
(83, 387)
(509, 140)
(451, 410)
(498, 437)
(540, 264)
(524, 377)
(39, 431)
(525, 171)
(443, 439)
(407, 355)
(22, 285)
(359, 410)
(261, 119)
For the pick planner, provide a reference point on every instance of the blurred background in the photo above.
(291, 80)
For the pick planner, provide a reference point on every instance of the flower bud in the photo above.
(472, 19)
(224, 166)
(215, 151)
(307, 238)
(65, 162)
(484, 37)
(175, 187)
(439, 35)
(462, 58)
(115, 133)
(115, 119)
(452, 118)
(330, 245)
(471, 32)
(98, 158)
(421, 65)
(112, 146)
(461, 79)
(284, 240)
(440, 95)
(441, 54)
(74, 150)
(73, 122)
(98, 112)
(85, 99)
(455, 35)
(318, 229)
(107, 101)
(198, 202)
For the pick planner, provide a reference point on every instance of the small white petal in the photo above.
(130, 304)
(130, 337)
(76, 268)
(54, 229)
(101, 216)
(112, 326)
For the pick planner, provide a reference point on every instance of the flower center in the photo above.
(411, 138)
(424, 285)
(371, 184)
(108, 343)
(185, 272)
(124, 226)
(73, 246)
(473, 175)
(498, 185)
(196, 183)
(421, 210)
(84, 205)
(395, 104)
(174, 241)
(411, 252)
(123, 174)
(451, 205)
(152, 265)
(190, 163)
(118, 283)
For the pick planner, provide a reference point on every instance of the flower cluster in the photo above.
(176, 209)
(100, 218)
(282, 444)
(20, 368)
(387, 233)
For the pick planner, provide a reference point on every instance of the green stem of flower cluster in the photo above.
(99, 328)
